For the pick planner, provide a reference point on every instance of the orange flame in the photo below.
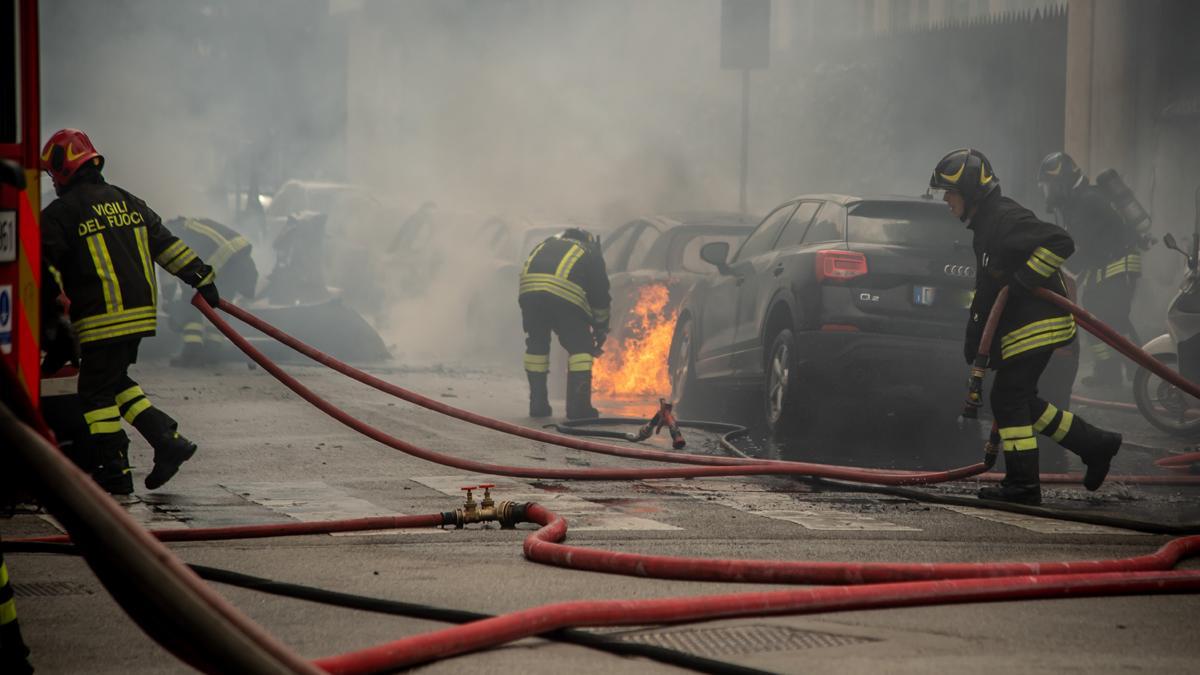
(638, 365)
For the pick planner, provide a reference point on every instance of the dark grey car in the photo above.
(831, 294)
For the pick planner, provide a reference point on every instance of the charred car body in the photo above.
(665, 249)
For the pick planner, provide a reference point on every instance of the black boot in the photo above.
(539, 395)
(579, 396)
(1095, 447)
(191, 356)
(168, 455)
(1099, 459)
(1021, 484)
(112, 472)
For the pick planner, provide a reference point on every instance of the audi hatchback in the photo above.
(831, 294)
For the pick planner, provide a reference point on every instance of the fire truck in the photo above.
(20, 237)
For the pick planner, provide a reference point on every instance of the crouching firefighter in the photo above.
(564, 289)
(1015, 249)
(229, 254)
(99, 246)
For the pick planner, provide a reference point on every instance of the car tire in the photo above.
(681, 366)
(781, 409)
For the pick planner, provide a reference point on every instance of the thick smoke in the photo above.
(542, 113)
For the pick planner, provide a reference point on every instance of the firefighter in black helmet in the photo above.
(564, 289)
(1015, 249)
(1108, 261)
(99, 246)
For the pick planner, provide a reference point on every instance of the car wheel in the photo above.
(782, 388)
(681, 365)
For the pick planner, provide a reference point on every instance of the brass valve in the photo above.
(470, 509)
(486, 502)
(508, 514)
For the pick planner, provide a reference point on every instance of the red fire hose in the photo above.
(729, 467)
(944, 583)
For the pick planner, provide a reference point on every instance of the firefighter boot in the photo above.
(1021, 484)
(579, 396)
(539, 395)
(1095, 447)
(191, 356)
(168, 455)
(112, 472)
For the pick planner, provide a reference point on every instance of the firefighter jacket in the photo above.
(99, 244)
(1012, 246)
(1110, 246)
(228, 252)
(571, 271)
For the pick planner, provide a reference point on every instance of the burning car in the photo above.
(652, 263)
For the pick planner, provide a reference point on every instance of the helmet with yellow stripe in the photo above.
(1058, 176)
(967, 172)
(65, 153)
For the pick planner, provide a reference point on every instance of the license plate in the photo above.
(924, 295)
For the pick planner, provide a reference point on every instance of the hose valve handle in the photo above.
(486, 502)
(470, 503)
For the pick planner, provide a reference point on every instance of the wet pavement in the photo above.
(267, 456)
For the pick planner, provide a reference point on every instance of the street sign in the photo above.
(745, 34)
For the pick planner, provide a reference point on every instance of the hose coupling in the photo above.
(991, 451)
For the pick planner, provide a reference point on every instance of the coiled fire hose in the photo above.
(857, 586)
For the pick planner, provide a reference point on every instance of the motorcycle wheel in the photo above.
(1164, 405)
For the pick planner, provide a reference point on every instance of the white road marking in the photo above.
(1036, 523)
(580, 513)
(753, 499)
(314, 501)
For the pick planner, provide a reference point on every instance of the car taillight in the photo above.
(840, 265)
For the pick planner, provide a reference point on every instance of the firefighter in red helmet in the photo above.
(99, 245)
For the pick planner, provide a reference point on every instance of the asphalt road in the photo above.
(266, 456)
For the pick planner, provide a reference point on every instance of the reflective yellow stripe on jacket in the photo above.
(116, 324)
(225, 248)
(556, 284)
(1130, 264)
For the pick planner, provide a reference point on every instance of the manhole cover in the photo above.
(47, 588)
(727, 640)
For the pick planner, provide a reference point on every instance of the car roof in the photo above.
(847, 199)
(668, 221)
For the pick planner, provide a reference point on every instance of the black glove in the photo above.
(970, 349)
(60, 345)
(209, 293)
(599, 335)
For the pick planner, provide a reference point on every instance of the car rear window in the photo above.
(903, 223)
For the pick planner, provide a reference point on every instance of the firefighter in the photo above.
(99, 246)
(564, 289)
(1015, 249)
(14, 655)
(1108, 263)
(229, 253)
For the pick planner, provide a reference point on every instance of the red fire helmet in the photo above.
(65, 152)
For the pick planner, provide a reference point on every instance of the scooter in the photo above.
(1162, 404)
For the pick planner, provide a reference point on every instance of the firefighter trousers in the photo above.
(13, 652)
(543, 314)
(1110, 300)
(109, 395)
(1021, 414)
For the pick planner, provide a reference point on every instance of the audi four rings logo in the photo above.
(959, 270)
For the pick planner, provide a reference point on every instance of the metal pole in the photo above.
(745, 139)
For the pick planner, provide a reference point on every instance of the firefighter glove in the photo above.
(209, 293)
(599, 336)
(60, 344)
